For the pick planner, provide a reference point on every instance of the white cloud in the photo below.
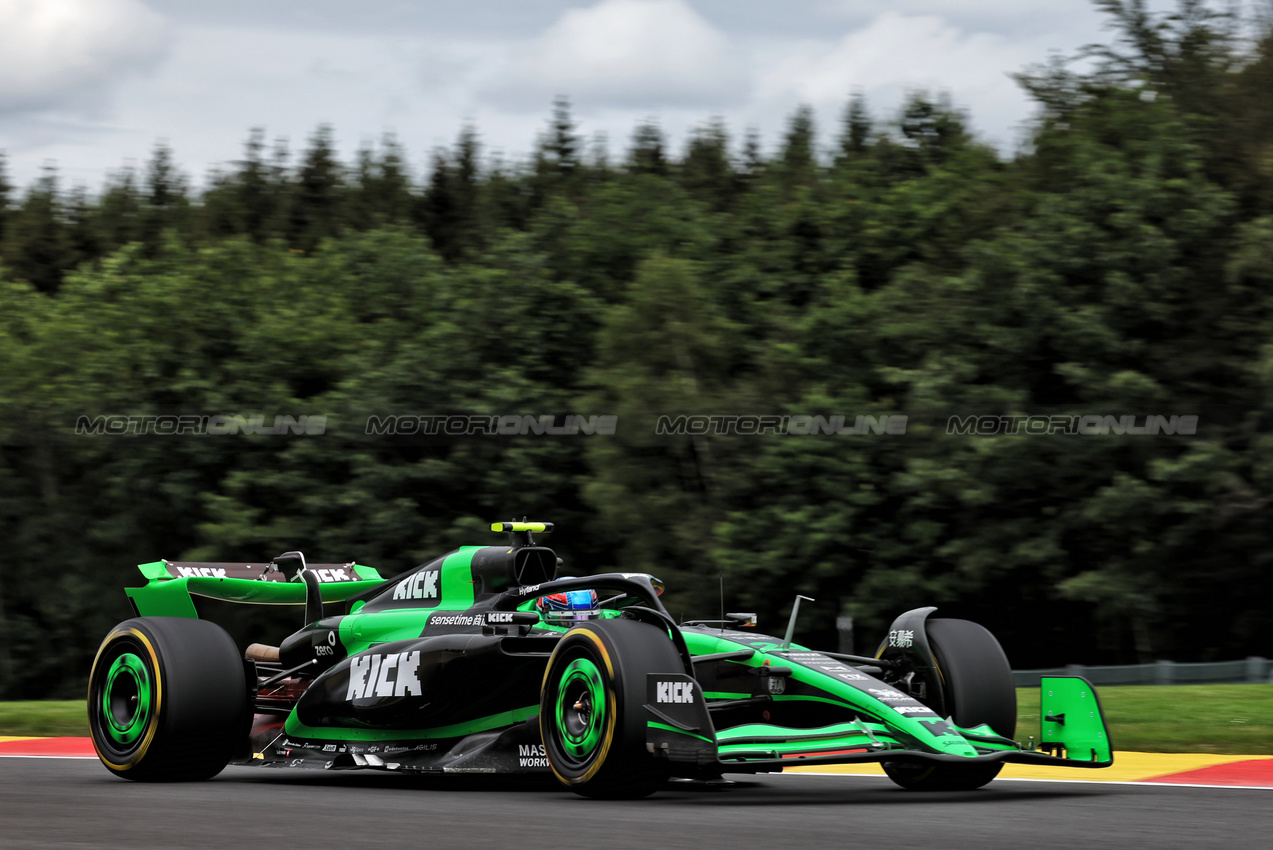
(1067, 22)
(66, 52)
(896, 53)
(625, 53)
(71, 91)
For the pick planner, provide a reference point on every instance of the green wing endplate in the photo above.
(1072, 724)
(678, 725)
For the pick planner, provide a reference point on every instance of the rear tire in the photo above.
(592, 708)
(167, 700)
(977, 686)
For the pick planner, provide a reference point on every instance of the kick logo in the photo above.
(331, 575)
(200, 572)
(914, 709)
(395, 674)
(675, 692)
(422, 585)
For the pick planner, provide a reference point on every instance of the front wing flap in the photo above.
(867, 755)
(679, 727)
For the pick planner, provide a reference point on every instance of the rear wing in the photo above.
(170, 585)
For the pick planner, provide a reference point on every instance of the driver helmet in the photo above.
(571, 605)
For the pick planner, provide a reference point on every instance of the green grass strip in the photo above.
(67, 718)
(1225, 719)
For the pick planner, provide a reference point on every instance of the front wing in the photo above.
(1072, 733)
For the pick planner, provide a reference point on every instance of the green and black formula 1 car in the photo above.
(481, 661)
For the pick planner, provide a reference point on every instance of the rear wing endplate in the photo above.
(171, 584)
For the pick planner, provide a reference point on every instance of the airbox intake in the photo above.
(496, 568)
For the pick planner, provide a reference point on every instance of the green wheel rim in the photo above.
(580, 713)
(126, 700)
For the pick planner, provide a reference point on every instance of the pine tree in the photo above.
(646, 154)
(599, 156)
(936, 129)
(36, 249)
(316, 203)
(707, 172)
(257, 201)
(506, 199)
(563, 145)
(381, 188)
(165, 197)
(360, 202)
(557, 159)
(439, 207)
(753, 158)
(6, 190)
(449, 205)
(467, 168)
(393, 181)
(119, 211)
(83, 243)
(856, 134)
(798, 158)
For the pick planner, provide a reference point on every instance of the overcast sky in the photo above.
(92, 84)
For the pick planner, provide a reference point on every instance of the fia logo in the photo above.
(422, 585)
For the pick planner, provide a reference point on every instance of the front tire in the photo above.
(167, 699)
(592, 708)
(977, 686)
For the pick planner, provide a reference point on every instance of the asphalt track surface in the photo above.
(76, 803)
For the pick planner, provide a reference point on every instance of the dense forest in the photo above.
(1119, 264)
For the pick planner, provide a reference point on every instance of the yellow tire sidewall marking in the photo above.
(611, 715)
(153, 725)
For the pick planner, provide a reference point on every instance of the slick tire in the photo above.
(167, 700)
(592, 708)
(977, 686)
